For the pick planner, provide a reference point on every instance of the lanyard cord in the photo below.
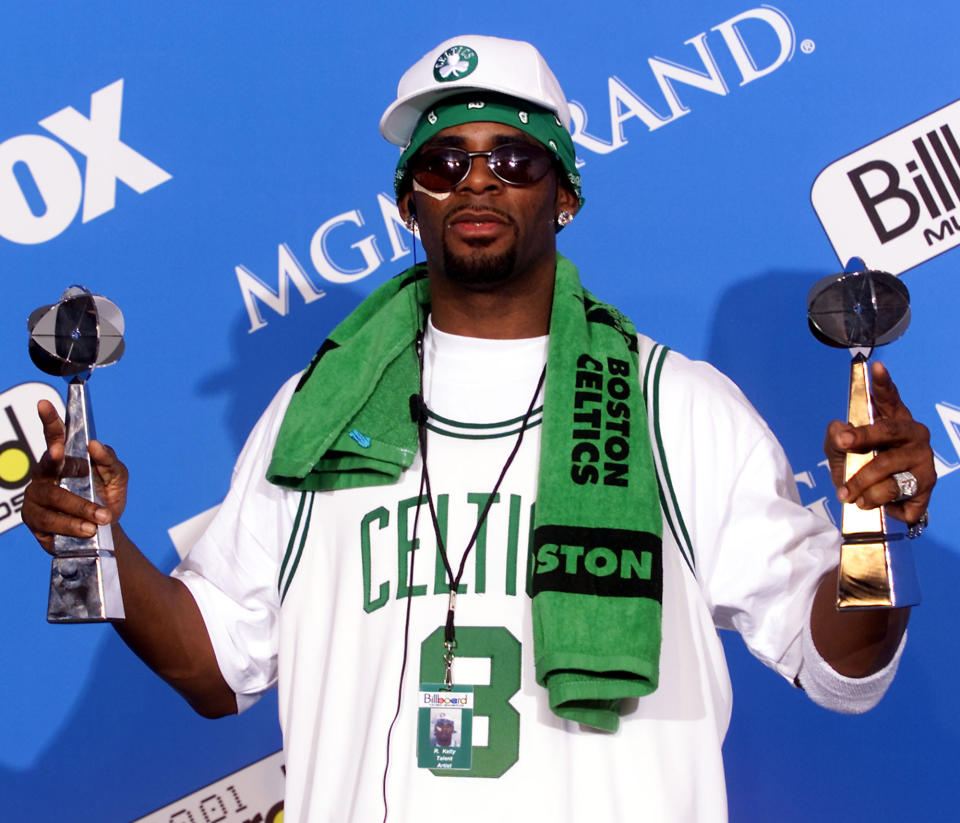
(418, 411)
(417, 403)
(406, 634)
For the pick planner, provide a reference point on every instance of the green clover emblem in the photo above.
(455, 63)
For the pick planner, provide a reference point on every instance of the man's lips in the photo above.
(470, 225)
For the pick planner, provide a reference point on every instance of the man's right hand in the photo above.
(163, 624)
(49, 510)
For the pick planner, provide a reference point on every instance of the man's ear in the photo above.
(406, 206)
(566, 199)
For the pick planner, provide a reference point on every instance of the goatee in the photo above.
(479, 270)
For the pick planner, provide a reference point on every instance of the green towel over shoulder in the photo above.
(596, 565)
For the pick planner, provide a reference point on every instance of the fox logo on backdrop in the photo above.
(40, 185)
(894, 203)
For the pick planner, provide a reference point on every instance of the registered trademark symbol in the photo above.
(807, 46)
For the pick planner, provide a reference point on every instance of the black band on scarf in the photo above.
(597, 561)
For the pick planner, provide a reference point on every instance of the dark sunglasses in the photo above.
(444, 168)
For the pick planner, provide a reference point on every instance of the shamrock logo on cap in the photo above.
(455, 63)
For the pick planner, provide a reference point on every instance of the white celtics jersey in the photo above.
(310, 592)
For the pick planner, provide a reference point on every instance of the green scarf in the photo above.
(595, 566)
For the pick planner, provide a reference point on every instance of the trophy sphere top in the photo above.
(78, 333)
(858, 309)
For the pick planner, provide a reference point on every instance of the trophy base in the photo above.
(877, 574)
(85, 589)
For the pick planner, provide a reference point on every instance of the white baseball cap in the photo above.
(468, 63)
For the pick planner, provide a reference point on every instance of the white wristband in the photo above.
(834, 691)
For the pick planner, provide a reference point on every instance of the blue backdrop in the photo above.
(216, 170)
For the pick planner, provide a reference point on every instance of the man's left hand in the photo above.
(902, 444)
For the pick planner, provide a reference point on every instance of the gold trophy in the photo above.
(69, 339)
(859, 310)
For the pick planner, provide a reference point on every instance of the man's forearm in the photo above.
(164, 627)
(854, 643)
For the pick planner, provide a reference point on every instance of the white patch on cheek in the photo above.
(436, 195)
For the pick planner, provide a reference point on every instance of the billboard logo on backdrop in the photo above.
(21, 444)
(896, 202)
(40, 185)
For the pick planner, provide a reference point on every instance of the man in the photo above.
(487, 492)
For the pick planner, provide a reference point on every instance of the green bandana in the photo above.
(595, 565)
(484, 107)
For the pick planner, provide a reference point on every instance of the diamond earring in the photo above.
(565, 218)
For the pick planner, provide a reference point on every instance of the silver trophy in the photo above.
(859, 310)
(70, 339)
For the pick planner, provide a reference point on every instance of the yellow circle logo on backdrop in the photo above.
(14, 466)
